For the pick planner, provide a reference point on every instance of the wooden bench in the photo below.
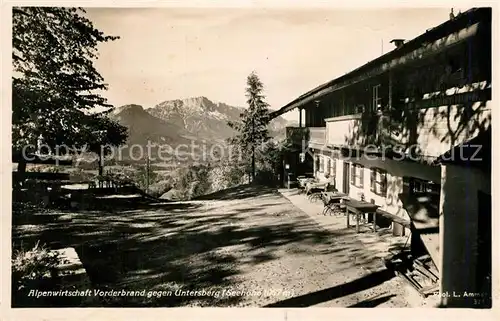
(45, 176)
(394, 218)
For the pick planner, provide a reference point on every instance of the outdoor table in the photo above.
(358, 208)
(315, 187)
(333, 196)
(313, 190)
(304, 181)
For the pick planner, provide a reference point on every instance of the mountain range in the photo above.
(183, 121)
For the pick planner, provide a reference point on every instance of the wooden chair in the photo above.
(334, 206)
(317, 194)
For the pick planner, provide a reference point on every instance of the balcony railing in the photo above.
(315, 135)
(297, 134)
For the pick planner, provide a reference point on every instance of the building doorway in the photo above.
(345, 178)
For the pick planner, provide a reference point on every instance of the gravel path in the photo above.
(250, 248)
(299, 264)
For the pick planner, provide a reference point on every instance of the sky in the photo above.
(176, 53)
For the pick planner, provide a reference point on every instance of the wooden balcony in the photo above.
(317, 135)
(310, 136)
(427, 132)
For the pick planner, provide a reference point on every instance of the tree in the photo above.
(54, 83)
(253, 127)
(270, 156)
(102, 134)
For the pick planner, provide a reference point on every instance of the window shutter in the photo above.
(384, 184)
(406, 185)
(353, 174)
(373, 180)
(361, 169)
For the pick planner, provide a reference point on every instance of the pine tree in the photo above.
(253, 127)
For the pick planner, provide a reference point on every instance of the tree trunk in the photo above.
(100, 165)
(147, 175)
(21, 167)
(21, 170)
(253, 163)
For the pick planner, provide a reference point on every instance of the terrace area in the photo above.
(248, 238)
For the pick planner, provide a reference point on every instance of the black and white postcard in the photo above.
(253, 154)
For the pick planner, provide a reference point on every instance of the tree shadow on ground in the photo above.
(238, 193)
(192, 246)
(355, 286)
(371, 303)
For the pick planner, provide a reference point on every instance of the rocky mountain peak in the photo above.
(190, 117)
(131, 108)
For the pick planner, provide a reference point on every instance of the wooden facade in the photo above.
(426, 96)
(410, 106)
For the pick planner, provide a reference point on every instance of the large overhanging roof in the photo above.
(464, 20)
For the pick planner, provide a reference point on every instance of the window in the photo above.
(321, 164)
(329, 166)
(377, 100)
(333, 167)
(416, 185)
(357, 175)
(421, 186)
(378, 182)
